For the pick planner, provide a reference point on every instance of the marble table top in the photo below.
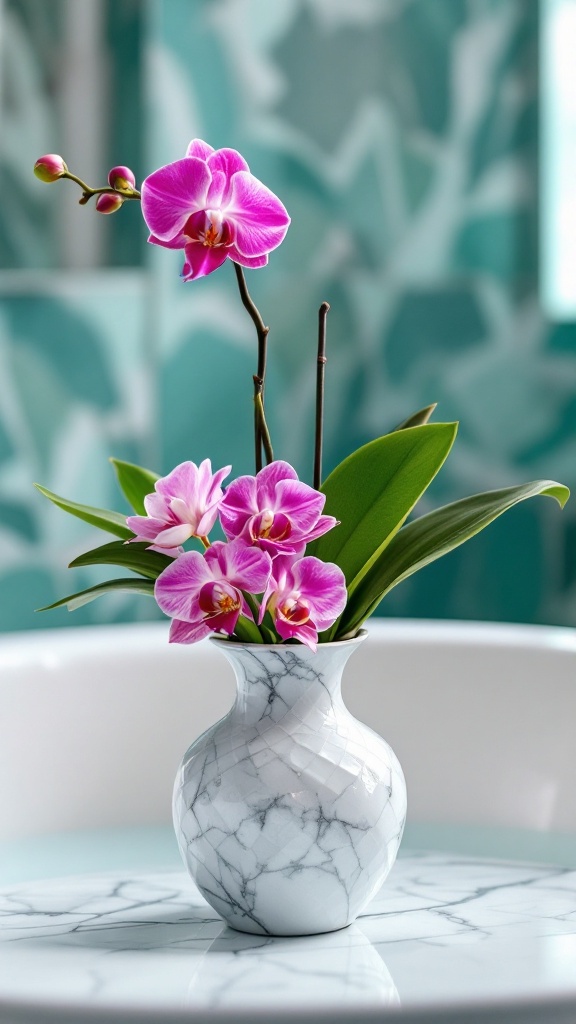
(446, 934)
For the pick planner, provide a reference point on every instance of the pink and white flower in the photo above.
(210, 205)
(184, 504)
(202, 593)
(274, 510)
(307, 598)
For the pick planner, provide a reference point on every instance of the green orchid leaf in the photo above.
(373, 491)
(247, 631)
(135, 483)
(137, 557)
(112, 522)
(431, 536)
(85, 596)
(417, 419)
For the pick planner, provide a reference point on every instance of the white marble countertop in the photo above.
(450, 937)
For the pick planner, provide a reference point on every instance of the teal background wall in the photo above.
(403, 138)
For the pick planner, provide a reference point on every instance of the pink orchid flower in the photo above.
(184, 504)
(274, 510)
(306, 598)
(210, 205)
(202, 593)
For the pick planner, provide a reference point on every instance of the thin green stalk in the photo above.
(262, 425)
(320, 371)
(88, 192)
(260, 428)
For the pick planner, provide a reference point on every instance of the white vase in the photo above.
(289, 812)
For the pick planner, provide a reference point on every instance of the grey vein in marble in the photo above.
(442, 929)
(289, 812)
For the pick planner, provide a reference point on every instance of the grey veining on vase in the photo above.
(444, 930)
(289, 812)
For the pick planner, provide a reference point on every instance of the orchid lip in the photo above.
(268, 525)
(295, 611)
(217, 598)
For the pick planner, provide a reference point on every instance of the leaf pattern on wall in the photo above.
(402, 137)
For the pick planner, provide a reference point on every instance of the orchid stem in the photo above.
(253, 606)
(261, 432)
(264, 433)
(320, 371)
(88, 192)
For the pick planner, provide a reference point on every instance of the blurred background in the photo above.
(415, 145)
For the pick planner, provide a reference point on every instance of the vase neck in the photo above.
(273, 682)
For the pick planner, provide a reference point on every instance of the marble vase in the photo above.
(289, 812)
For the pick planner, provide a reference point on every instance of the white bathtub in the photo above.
(94, 721)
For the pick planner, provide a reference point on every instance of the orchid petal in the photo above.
(301, 503)
(145, 527)
(228, 160)
(268, 479)
(178, 242)
(306, 633)
(324, 524)
(324, 586)
(174, 536)
(239, 504)
(172, 193)
(225, 622)
(251, 262)
(202, 260)
(261, 220)
(208, 519)
(187, 632)
(217, 190)
(180, 481)
(245, 566)
(178, 584)
(200, 149)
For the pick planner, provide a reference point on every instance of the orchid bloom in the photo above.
(306, 598)
(274, 510)
(210, 205)
(202, 593)
(184, 504)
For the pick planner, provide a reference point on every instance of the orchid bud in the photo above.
(108, 203)
(121, 178)
(50, 167)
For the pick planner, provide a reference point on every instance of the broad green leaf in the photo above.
(431, 536)
(85, 596)
(135, 483)
(417, 418)
(247, 631)
(372, 492)
(137, 557)
(112, 522)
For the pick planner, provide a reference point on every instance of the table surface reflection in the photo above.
(449, 931)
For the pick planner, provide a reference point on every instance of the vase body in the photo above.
(289, 812)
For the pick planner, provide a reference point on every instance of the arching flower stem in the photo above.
(88, 192)
(261, 432)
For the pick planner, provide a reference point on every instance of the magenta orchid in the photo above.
(306, 598)
(274, 510)
(202, 593)
(184, 504)
(263, 584)
(212, 207)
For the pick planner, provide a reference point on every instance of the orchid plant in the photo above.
(299, 563)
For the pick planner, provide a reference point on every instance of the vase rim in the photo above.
(224, 641)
